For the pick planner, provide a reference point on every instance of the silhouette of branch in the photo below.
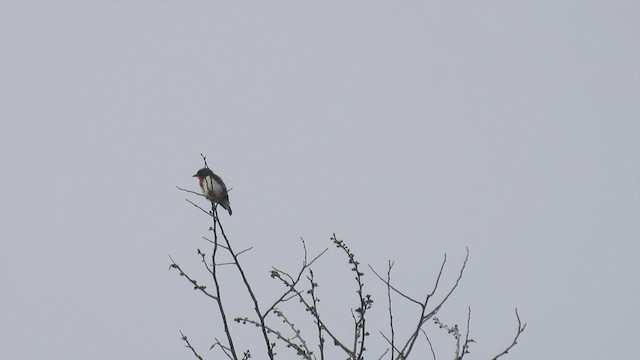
(188, 345)
(454, 331)
(216, 220)
(293, 282)
(288, 281)
(388, 283)
(467, 340)
(424, 316)
(433, 352)
(392, 329)
(307, 353)
(314, 311)
(519, 331)
(199, 207)
(383, 354)
(191, 192)
(365, 302)
(214, 275)
(204, 158)
(225, 349)
(301, 349)
(393, 348)
(453, 288)
(202, 288)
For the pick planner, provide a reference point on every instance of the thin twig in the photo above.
(454, 331)
(393, 288)
(190, 191)
(520, 330)
(467, 341)
(188, 344)
(315, 313)
(202, 288)
(383, 354)
(214, 275)
(389, 342)
(360, 332)
(225, 349)
(433, 353)
(256, 306)
(293, 282)
(277, 275)
(204, 261)
(393, 333)
(301, 349)
(295, 331)
(199, 207)
(406, 349)
(453, 288)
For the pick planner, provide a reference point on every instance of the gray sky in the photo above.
(410, 129)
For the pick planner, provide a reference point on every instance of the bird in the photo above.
(213, 188)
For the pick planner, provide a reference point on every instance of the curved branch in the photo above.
(520, 330)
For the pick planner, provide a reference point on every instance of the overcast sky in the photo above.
(410, 129)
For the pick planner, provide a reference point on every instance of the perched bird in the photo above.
(213, 188)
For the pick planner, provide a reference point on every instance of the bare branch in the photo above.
(453, 288)
(278, 275)
(256, 306)
(393, 288)
(214, 275)
(190, 191)
(199, 207)
(406, 349)
(225, 349)
(204, 158)
(315, 313)
(467, 341)
(244, 251)
(296, 332)
(360, 332)
(520, 330)
(301, 349)
(454, 331)
(433, 353)
(202, 288)
(204, 262)
(246, 355)
(292, 282)
(393, 333)
(188, 344)
(383, 354)
(389, 342)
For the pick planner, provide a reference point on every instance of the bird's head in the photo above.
(204, 172)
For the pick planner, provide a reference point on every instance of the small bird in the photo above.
(213, 188)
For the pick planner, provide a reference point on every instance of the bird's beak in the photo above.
(196, 175)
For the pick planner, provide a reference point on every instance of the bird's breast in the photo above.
(212, 189)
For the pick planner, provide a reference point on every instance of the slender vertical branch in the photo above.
(314, 312)
(433, 352)
(214, 274)
(519, 331)
(256, 306)
(393, 334)
(360, 331)
(467, 340)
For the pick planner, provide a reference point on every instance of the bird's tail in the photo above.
(225, 204)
